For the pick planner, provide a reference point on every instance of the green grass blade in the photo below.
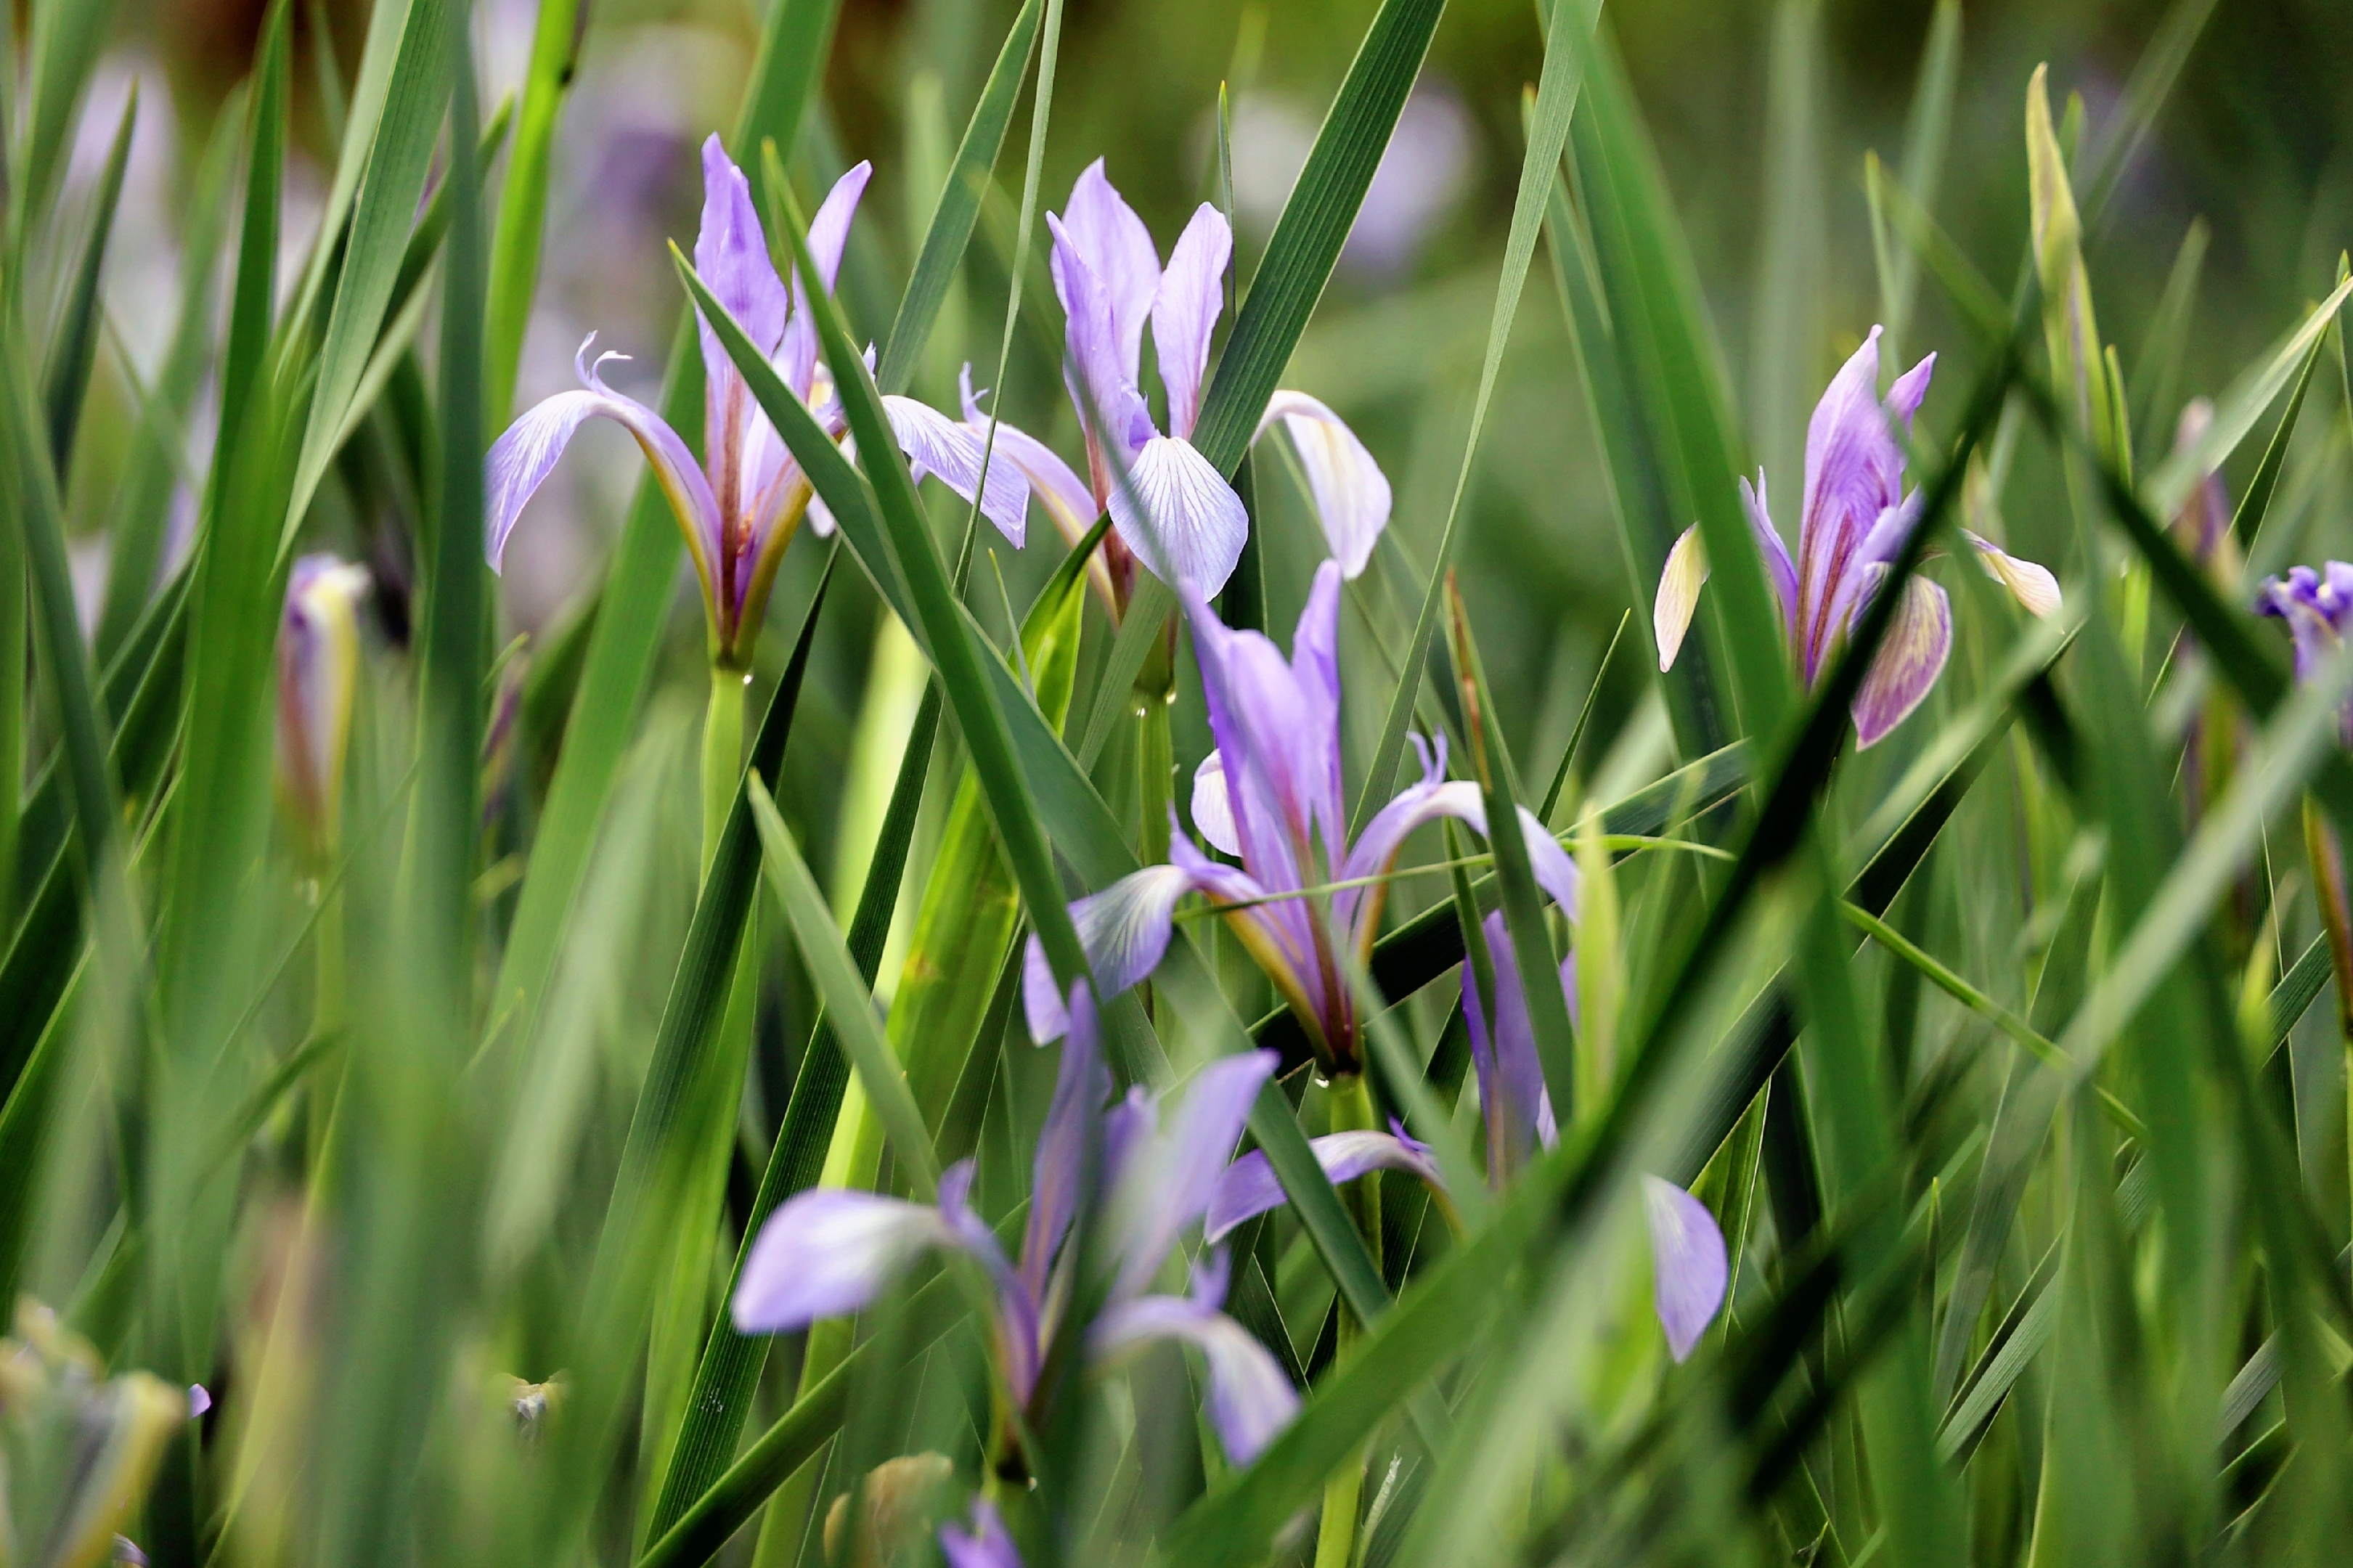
(849, 1008)
(1314, 224)
(1785, 337)
(522, 198)
(958, 206)
(1569, 25)
(74, 354)
(141, 509)
(2157, 377)
(2241, 404)
(1926, 132)
(66, 35)
(2256, 501)
(441, 859)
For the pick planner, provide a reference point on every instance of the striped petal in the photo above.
(1185, 310)
(1124, 931)
(1250, 1400)
(1907, 663)
(1179, 517)
(1679, 584)
(937, 444)
(2031, 585)
(826, 1252)
(1352, 495)
(1249, 1188)
(1689, 1269)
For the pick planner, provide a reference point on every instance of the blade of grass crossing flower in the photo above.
(640, 573)
(74, 354)
(141, 509)
(959, 203)
(1569, 24)
(2239, 407)
(400, 154)
(850, 1006)
(522, 198)
(952, 645)
(1648, 281)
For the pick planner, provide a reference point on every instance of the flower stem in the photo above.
(1154, 776)
(2337, 923)
(1335, 1539)
(722, 754)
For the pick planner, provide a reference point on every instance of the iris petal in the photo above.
(937, 444)
(1679, 585)
(1907, 663)
(1352, 495)
(1250, 1400)
(1179, 517)
(2031, 585)
(1249, 1187)
(1185, 310)
(826, 1252)
(1213, 810)
(1688, 1264)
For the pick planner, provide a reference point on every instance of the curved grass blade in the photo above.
(522, 198)
(849, 1006)
(1569, 25)
(958, 206)
(2256, 502)
(74, 354)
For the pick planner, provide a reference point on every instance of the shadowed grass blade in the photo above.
(522, 198)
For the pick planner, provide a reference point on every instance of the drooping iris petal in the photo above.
(1250, 1400)
(1056, 485)
(1352, 495)
(1016, 1324)
(1103, 231)
(1213, 812)
(1376, 847)
(2031, 585)
(1124, 931)
(826, 1252)
(984, 1544)
(1185, 310)
(1688, 1265)
(1160, 1195)
(1249, 1187)
(829, 234)
(1780, 576)
(937, 444)
(1178, 516)
(522, 458)
(1679, 586)
(1908, 662)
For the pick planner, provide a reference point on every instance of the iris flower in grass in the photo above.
(826, 1252)
(1855, 519)
(2317, 605)
(1270, 796)
(1171, 512)
(1689, 1267)
(984, 1545)
(742, 506)
(318, 667)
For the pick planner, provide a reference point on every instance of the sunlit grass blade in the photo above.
(66, 38)
(400, 141)
(959, 203)
(515, 243)
(849, 1009)
(74, 353)
(1569, 25)
(137, 521)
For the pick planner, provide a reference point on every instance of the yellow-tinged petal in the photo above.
(1678, 583)
(2031, 584)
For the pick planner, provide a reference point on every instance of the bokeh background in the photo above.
(1756, 109)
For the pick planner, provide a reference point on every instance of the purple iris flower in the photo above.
(2316, 606)
(985, 1545)
(1855, 520)
(1171, 512)
(741, 508)
(828, 1251)
(1270, 796)
(1688, 1261)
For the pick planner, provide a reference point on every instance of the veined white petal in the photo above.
(1679, 585)
(2031, 585)
(1179, 517)
(1352, 495)
(1213, 808)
